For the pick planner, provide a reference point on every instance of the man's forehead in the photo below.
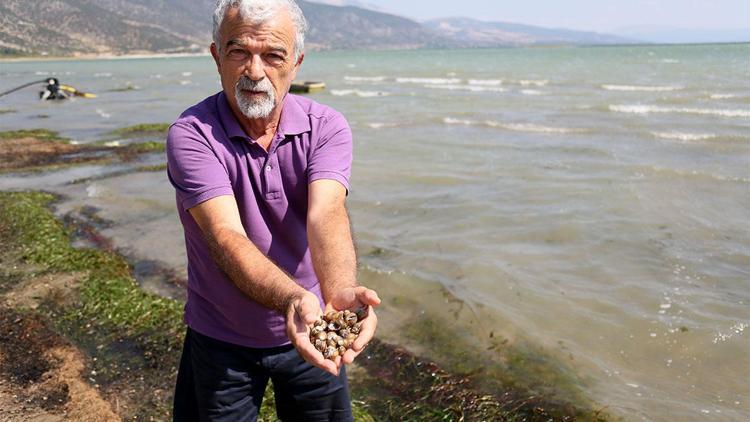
(235, 28)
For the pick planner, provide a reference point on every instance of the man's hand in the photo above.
(353, 298)
(301, 314)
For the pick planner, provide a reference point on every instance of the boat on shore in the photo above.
(307, 87)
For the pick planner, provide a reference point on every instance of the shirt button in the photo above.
(269, 168)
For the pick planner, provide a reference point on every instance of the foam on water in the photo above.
(641, 88)
(682, 136)
(516, 127)
(532, 82)
(723, 96)
(358, 93)
(431, 81)
(364, 78)
(472, 88)
(531, 92)
(490, 82)
(647, 109)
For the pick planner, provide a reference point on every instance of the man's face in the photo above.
(256, 62)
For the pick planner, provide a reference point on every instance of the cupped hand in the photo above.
(301, 314)
(353, 298)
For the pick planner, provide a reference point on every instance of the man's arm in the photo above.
(256, 275)
(334, 258)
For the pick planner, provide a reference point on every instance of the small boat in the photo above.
(307, 87)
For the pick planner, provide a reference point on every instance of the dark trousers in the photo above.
(219, 381)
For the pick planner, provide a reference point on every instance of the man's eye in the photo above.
(237, 54)
(274, 58)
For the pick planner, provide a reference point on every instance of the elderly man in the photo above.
(261, 178)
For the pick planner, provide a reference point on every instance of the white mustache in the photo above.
(247, 84)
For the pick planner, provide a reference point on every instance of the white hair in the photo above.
(261, 11)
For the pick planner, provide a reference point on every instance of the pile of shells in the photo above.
(335, 332)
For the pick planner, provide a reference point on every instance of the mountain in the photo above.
(670, 35)
(476, 33)
(75, 27)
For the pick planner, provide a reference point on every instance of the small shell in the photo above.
(322, 335)
(340, 341)
(351, 337)
(356, 328)
(316, 330)
(320, 345)
(330, 316)
(342, 350)
(361, 313)
(320, 323)
(330, 353)
(351, 319)
(334, 326)
(332, 343)
(331, 335)
(348, 343)
(344, 332)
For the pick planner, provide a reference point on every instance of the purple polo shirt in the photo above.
(209, 155)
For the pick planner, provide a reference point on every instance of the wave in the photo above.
(486, 82)
(531, 92)
(516, 127)
(641, 88)
(431, 81)
(672, 61)
(723, 96)
(697, 174)
(358, 93)
(473, 88)
(364, 78)
(647, 109)
(686, 137)
(532, 82)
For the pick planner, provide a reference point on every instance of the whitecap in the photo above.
(647, 109)
(41, 73)
(364, 78)
(454, 121)
(358, 93)
(723, 96)
(530, 127)
(431, 81)
(102, 75)
(531, 82)
(103, 113)
(641, 88)
(531, 92)
(671, 61)
(185, 82)
(186, 74)
(485, 82)
(682, 136)
(472, 88)
(112, 144)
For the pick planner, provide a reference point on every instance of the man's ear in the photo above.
(215, 54)
(297, 65)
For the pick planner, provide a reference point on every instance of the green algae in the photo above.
(40, 134)
(133, 337)
(142, 129)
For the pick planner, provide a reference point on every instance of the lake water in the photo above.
(593, 202)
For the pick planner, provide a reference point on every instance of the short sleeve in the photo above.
(331, 157)
(193, 168)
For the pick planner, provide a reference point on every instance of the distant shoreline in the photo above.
(15, 59)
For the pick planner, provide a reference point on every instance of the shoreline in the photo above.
(206, 53)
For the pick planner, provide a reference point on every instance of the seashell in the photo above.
(316, 330)
(342, 350)
(334, 326)
(320, 323)
(330, 316)
(344, 332)
(330, 353)
(361, 313)
(339, 341)
(356, 328)
(320, 345)
(351, 319)
(331, 335)
(332, 343)
(322, 335)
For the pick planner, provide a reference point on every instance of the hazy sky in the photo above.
(600, 15)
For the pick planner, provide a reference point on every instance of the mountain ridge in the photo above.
(114, 27)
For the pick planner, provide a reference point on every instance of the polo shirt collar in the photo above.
(293, 121)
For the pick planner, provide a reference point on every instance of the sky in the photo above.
(596, 15)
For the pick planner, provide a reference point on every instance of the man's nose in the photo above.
(254, 68)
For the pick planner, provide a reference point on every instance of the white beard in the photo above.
(255, 108)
